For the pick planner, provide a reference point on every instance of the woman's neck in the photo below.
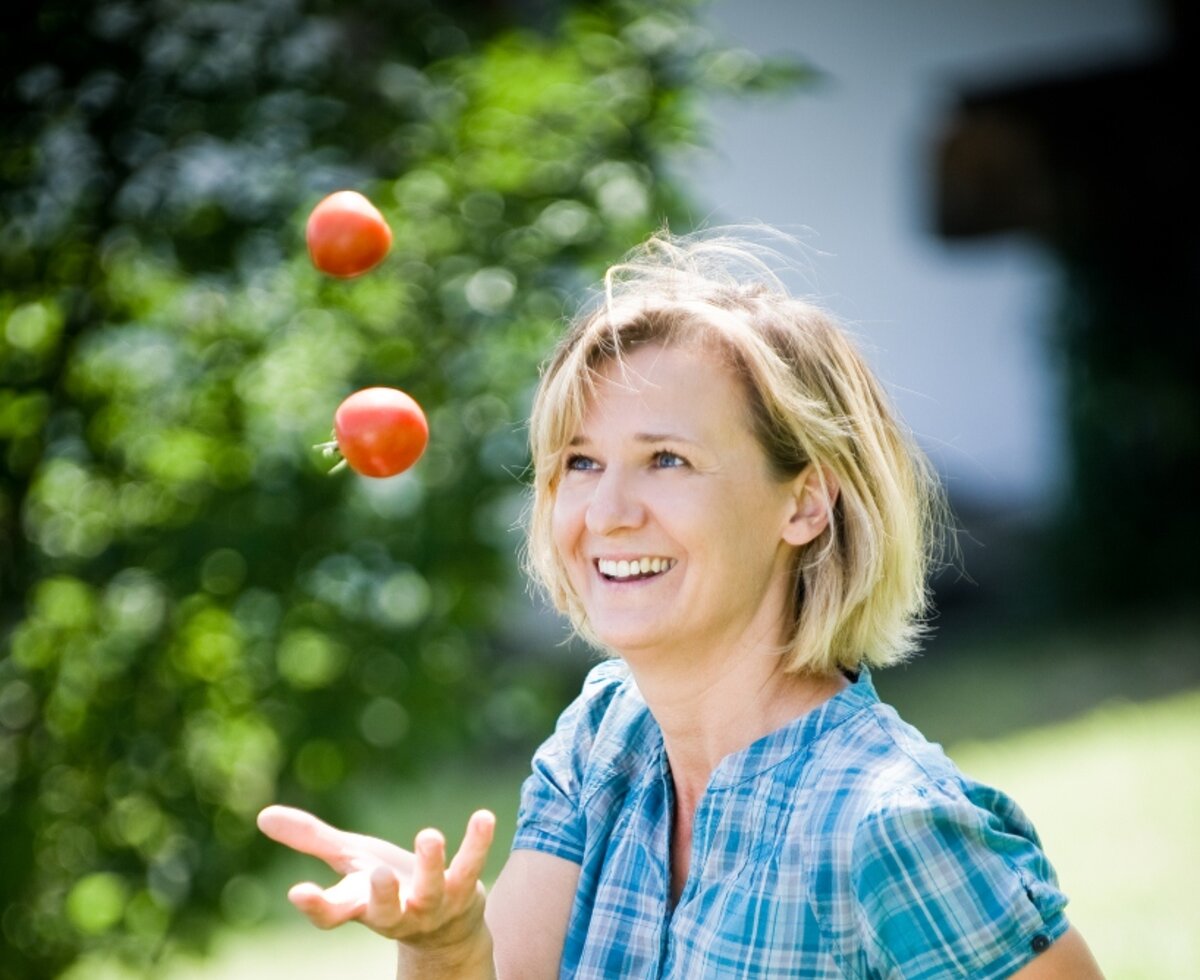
(720, 706)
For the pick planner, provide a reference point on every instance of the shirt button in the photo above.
(1040, 943)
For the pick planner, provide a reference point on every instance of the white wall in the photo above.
(959, 331)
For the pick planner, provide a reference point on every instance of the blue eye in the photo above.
(577, 462)
(665, 459)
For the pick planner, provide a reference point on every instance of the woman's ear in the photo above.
(814, 492)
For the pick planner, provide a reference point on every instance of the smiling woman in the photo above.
(726, 505)
(800, 401)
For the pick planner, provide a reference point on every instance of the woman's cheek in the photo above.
(565, 522)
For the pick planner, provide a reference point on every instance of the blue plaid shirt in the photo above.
(842, 845)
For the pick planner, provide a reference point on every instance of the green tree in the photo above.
(195, 618)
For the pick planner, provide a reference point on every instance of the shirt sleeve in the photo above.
(953, 884)
(551, 818)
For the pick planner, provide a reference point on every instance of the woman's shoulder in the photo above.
(606, 730)
(608, 702)
(906, 842)
(875, 760)
(603, 740)
(875, 778)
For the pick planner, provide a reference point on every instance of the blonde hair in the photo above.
(860, 588)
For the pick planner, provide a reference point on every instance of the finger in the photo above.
(302, 832)
(429, 875)
(340, 849)
(384, 911)
(329, 907)
(271, 818)
(469, 862)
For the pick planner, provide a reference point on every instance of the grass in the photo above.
(1113, 793)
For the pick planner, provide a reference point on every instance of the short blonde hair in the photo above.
(860, 590)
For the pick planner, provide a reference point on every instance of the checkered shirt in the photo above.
(841, 845)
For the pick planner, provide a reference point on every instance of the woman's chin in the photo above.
(630, 641)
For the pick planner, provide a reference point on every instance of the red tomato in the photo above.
(380, 431)
(347, 235)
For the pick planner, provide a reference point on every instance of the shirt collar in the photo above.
(795, 737)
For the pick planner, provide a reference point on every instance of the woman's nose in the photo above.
(614, 504)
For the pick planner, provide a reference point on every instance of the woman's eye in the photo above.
(665, 459)
(577, 462)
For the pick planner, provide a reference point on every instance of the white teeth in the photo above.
(638, 566)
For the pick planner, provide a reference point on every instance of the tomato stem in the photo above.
(329, 450)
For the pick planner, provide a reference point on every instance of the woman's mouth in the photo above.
(627, 570)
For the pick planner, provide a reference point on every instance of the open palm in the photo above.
(410, 896)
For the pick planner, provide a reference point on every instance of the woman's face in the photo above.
(667, 517)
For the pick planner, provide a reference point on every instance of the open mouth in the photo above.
(631, 570)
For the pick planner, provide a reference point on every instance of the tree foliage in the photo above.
(196, 619)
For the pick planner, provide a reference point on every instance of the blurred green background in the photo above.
(197, 620)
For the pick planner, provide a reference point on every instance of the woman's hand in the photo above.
(410, 896)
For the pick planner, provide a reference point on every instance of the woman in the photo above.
(723, 501)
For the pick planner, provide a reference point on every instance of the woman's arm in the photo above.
(1067, 959)
(527, 914)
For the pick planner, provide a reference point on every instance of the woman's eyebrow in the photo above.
(583, 440)
(663, 437)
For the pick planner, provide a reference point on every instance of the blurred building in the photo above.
(958, 331)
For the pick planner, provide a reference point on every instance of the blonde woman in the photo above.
(725, 503)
